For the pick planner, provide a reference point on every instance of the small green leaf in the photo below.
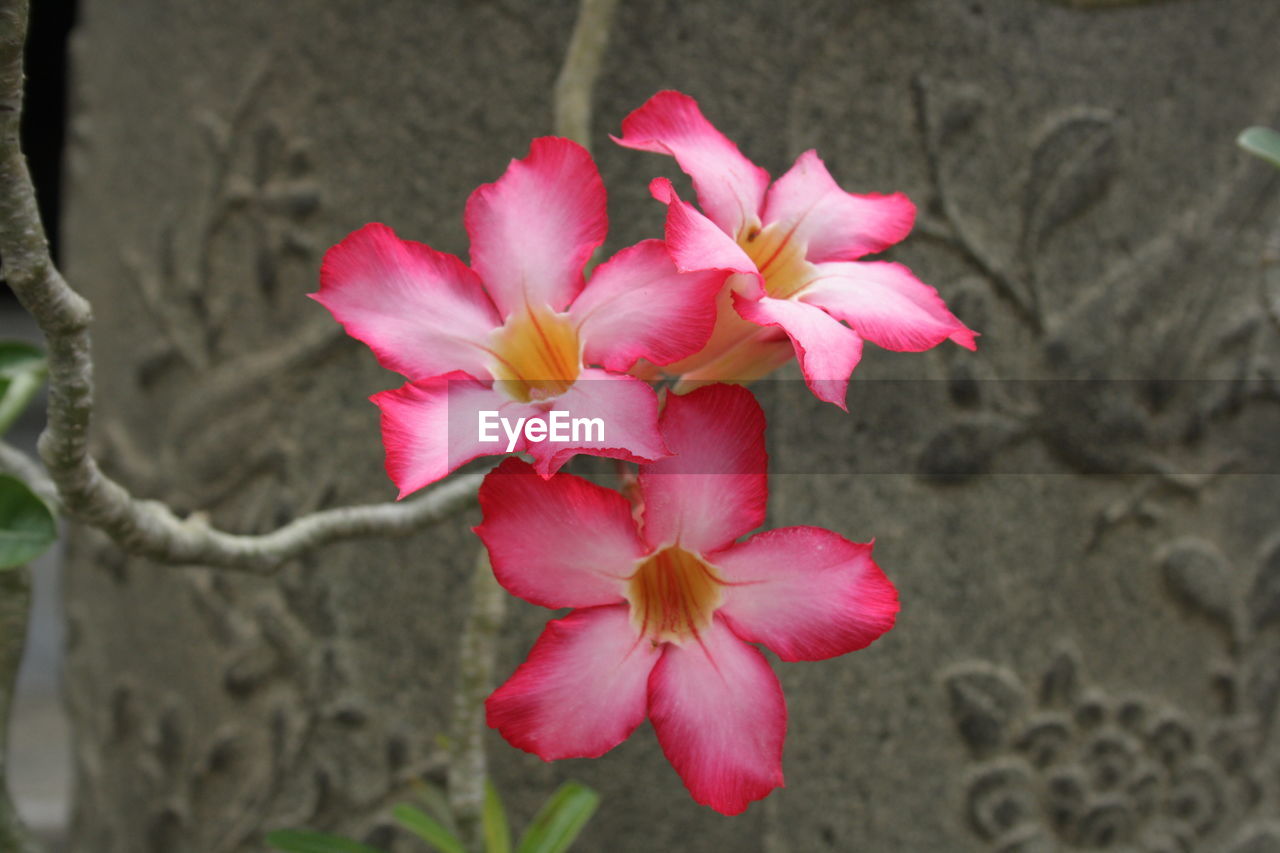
(306, 841)
(560, 820)
(497, 834)
(1261, 142)
(23, 369)
(27, 528)
(19, 356)
(427, 828)
(437, 804)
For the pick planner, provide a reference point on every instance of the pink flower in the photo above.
(517, 332)
(667, 603)
(795, 245)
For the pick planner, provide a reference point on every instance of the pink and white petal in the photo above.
(828, 352)
(720, 717)
(431, 427)
(638, 305)
(730, 187)
(749, 360)
(534, 229)
(887, 304)
(714, 487)
(695, 243)
(582, 690)
(626, 410)
(720, 359)
(834, 224)
(422, 312)
(563, 542)
(805, 592)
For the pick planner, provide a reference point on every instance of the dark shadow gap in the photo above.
(44, 119)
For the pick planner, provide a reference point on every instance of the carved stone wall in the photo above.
(1089, 650)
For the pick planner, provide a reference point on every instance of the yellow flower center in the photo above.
(779, 258)
(673, 595)
(536, 354)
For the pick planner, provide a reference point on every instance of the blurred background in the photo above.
(39, 738)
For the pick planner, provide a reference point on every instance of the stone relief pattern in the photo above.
(1063, 765)
(1155, 426)
(279, 657)
(261, 200)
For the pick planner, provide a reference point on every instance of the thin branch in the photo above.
(161, 535)
(571, 98)
(147, 528)
(1105, 4)
(15, 604)
(468, 767)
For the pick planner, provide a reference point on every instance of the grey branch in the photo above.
(147, 528)
(468, 767)
(571, 99)
(1105, 4)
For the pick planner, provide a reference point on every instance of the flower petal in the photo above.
(836, 225)
(430, 427)
(582, 690)
(638, 305)
(563, 542)
(715, 486)
(828, 352)
(695, 243)
(720, 717)
(805, 592)
(887, 305)
(730, 187)
(534, 229)
(627, 411)
(422, 312)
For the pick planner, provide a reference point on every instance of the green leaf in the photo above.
(427, 828)
(497, 834)
(560, 820)
(1261, 142)
(436, 802)
(23, 369)
(27, 528)
(306, 841)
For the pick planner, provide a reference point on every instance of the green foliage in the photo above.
(554, 828)
(305, 841)
(497, 834)
(437, 804)
(558, 822)
(427, 828)
(27, 527)
(23, 369)
(1261, 142)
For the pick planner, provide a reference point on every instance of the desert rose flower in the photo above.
(794, 245)
(667, 602)
(517, 333)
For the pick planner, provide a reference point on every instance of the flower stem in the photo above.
(468, 768)
(571, 98)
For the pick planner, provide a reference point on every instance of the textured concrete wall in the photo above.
(1087, 654)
